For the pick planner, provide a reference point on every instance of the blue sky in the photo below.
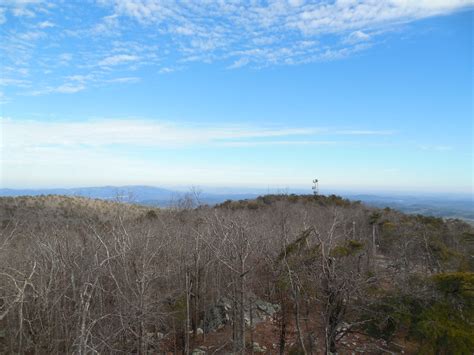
(365, 95)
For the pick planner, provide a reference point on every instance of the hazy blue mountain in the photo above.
(148, 195)
(448, 206)
(123, 193)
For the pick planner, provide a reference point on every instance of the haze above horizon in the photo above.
(364, 95)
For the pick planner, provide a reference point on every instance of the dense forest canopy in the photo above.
(287, 274)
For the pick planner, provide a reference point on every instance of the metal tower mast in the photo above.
(315, 186)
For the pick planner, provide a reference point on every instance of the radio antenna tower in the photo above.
(315, 187)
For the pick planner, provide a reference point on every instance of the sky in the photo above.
(368, 95)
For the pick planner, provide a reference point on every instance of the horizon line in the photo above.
(261, 189)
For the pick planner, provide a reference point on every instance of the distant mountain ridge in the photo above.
(444, 206)
(103, 192)
(441, 206)
(149, 195)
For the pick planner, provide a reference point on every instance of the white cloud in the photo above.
(307, 16)
(78, 82)
(79, 166)
(264, 32)
(167, 70)
(3, 99)
(153, 133)
(108, 26)
(22, 71)
(46, 24)
(344, 15)
(118, 59)
(79, 152)
(13, 82)
(436, 148)
(357, 36)
(31, 35)
(239, 63)
(3, 18)
(80, 78)
(135, 132)
(21, 8)
(296, 3)
(186, 30)
(65, 58)
(240, 144)
(123, 80)
(69, 89)
(22, 12)
(365, 132)
(141, 10)
(169, 35)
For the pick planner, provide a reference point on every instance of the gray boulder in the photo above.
(258, 349)
(218, 315)
(221, 313)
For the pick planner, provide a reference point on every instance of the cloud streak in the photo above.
(151, 133)
(118, 59)
(114, 151)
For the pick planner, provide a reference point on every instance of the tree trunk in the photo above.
(297, 320)
(242, 307)
(283, 330)
(374, 247)
(186, 330)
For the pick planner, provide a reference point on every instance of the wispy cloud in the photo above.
(118, 59)
(109, 25)
(22, 12)
(175, 34)
(31, 35)
(72, 85)
(167, 70)
(132, 132)
(22, 8)
(365, 132)
(3, 98)
(341, 16)
(436, 147)
(78, 151)
(123, 80)
(356, 37)
(46, 24)
(65, 58)
(153, 133)
(269, 32)
(299, 142)
(3, 18)
(69, 89)
(14, 82)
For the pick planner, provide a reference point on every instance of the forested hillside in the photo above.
(281, 274)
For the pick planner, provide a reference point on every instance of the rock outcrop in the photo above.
(217, 316)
